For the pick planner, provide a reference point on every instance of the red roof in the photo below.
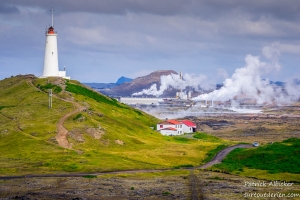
(189, 123)
(170, 121)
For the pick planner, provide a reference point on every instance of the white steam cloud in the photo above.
(175, 82)
(245, 82)
(248, 81)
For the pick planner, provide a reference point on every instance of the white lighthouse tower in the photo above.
(51, 54)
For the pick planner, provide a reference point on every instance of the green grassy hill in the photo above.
(280, 160)
(106, 136)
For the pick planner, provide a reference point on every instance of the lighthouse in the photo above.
(51, 54)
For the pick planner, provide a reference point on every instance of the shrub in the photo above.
(89, 176)
(1, 107)
(166, 193)
(184, 166)
(55, 88)
(77, 116)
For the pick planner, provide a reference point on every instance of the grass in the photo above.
(82, 90)
(279, 157)
(77, 89)
(33, 150)
(212, 153)
(264, 174)
(205, 136)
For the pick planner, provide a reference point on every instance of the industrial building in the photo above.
(134, 101)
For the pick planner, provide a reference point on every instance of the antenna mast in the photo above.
(52, 10)
(50, 98)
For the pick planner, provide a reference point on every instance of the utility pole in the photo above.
(50, 98)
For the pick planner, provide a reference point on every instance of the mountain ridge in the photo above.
(120, 81)
(140, 83)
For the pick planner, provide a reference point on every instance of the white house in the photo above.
(170, 127)
(176, 127)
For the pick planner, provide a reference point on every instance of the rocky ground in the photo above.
(271, 126)
(171, 187)
(207, 185)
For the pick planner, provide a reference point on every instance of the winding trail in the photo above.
(221, 155)
(62, 132)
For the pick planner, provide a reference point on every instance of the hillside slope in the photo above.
(105, 136)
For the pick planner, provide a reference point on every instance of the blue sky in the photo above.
(101, 40)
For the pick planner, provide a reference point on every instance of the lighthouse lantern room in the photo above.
(51, 54)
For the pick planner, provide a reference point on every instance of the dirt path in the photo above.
(62, 132)
(196, 193)
(221, 155)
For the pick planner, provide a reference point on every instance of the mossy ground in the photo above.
(28, 145)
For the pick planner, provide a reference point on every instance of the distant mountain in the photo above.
(140, 83)
(100, 86)
(123, 79)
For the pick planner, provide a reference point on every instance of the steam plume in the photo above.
(248, 81)
(174, 81)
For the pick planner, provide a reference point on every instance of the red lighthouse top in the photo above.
(51, 30)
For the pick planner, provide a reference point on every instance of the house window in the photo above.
(161, 126)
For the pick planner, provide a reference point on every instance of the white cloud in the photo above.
(199, 36)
